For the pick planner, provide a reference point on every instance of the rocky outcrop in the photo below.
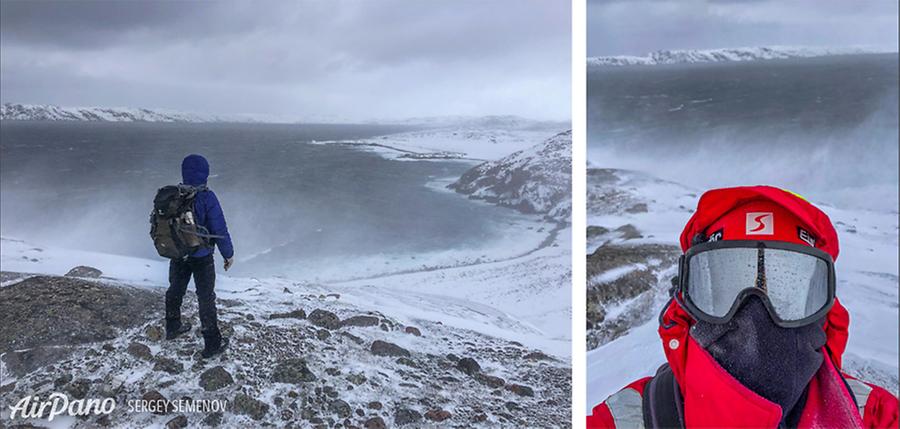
(84, 272)
(536, 180)
(41, 317)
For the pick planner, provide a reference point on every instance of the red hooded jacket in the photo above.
(711, 396)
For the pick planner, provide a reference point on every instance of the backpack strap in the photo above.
(662, 402)
(860, 392)
(625, 408)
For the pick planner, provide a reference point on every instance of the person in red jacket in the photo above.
(754, 333)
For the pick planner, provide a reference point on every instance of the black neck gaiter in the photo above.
(774, 362)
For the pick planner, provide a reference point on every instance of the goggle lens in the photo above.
(796, 284)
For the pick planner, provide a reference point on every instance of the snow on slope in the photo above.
(534, 180)
(469, 140)
(526, 299)
(729, 54)
(623, 304)
(452, 309)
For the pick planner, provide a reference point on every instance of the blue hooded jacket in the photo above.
(207, 211)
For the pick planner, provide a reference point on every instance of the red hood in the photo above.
(675, 325)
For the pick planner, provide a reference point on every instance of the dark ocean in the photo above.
(826, 127)
(288, 202)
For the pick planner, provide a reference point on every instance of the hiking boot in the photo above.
(172, 334)
(210, 351)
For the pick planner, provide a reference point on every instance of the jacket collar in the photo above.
(712, 397)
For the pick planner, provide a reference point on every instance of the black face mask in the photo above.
(774, 362)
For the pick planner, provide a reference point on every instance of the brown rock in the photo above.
(156, 401)
(437, 415)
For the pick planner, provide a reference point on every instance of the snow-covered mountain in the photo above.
(634, 221)
(535, 180)
(729, 54)
(49, 112)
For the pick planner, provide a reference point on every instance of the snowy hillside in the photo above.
(634, 221)
(49, 112)
(369, 353)
(728, 54)
(533, 180)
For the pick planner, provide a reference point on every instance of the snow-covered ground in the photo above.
(867, 275)
(524, 299)
(731, 54)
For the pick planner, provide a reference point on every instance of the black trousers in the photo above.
(204, 272)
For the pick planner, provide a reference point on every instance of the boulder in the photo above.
(215, 378)
(324, 319)
(85, 272)
(248, 406)
(374, 423)
(384, 348)
(360, 321)
(154, 333)
(520, 390)
(490, 380)
(168, 365)
(437, 415)
(294, 314)
(468, 365)
(157, 401)
(293, 371)
(341, 408)
(140, 351)
(405, 416)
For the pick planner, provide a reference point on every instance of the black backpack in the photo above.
(173, 229)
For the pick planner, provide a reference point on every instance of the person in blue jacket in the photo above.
(200, 264)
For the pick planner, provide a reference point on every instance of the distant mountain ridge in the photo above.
(50, 112)
(730, 54)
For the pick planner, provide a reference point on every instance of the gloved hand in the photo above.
(229, 262)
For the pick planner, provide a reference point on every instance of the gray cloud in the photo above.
(348, 59)
(637, 27)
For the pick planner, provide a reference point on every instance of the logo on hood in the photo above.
(760, 223)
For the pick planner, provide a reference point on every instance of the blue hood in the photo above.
(194, 170)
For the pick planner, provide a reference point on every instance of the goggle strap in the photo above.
(761, 270)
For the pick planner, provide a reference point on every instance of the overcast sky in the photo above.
(355, 60)
(626, 27)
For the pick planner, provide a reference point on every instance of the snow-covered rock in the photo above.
(729, 54)
(534, 180)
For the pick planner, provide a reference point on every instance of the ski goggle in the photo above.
(795, 282)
